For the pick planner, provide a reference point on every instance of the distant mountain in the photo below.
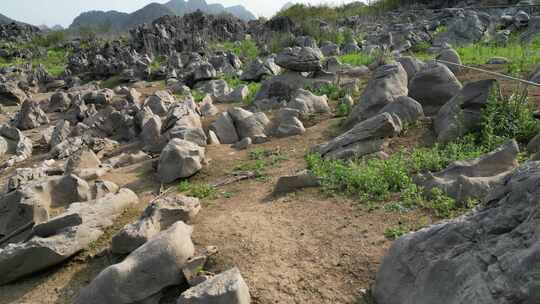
(114, 21)
(5, 20)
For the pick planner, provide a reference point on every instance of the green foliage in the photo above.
(441, 29)
(234, 81)
(523, 57)
(377, 180)
(507, 118)
(201, 191)
(343, 110)
(246, 49)
(254, 88)
(357, 59)
(198, 96)
(280, 41)
(111, 82)
(50, 40)
(260, 160)
(393, 233)
(157, 62)
(331, 90)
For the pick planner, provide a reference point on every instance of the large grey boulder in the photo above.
(159, 102)
(225, 288)
(299, 59)
(237, 95)
(287, 123)
(258, 69)
(22, 145)
(433, 87)
(151, 134)
(364, 138)
(532, 30)
(248, 124)
(488, 256)
(184, 122)
(451, 56)
(473, 179)
(33, 202)
(59, 102)
(224, 128)
(145, 272)
(215, 88)
(179, 159)
(330, 49)
(158, 216)
(463, 113)
(466, 28)
(308, 103)
(387, 84)
(412, 65)
(30, 116)
(38, 253)
(407, 109)
(60, 132)
(11, 94)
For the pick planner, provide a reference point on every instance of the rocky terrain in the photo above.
(121, 22)
(386, 157)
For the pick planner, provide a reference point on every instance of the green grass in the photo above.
(331, 90)
(198, 96)
(523, 57)
(111, 82)
(509, 117)
(394, 232)
(260, 160)
(200, 190)
(55, 61)
(357, 59)
(254, 88)
(376, 180)
(246, 49)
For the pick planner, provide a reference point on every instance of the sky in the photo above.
(52, 12)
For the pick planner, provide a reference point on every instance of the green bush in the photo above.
(254, 88)
(246, 49)
(508, 117)
(331, 90)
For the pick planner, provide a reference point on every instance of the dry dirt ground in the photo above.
(306, 247)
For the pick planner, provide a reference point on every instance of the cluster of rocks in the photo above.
(18, 32)
(189, 33)
(161, 255)
(486, 256)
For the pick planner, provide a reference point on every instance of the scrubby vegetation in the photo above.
(378, 180)
(246, 49)
(48, 50)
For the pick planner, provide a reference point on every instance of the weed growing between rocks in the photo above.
(508, 117)
(357, 59)
(259, 162)
(523, 57)
(378, 180)
(331, 90)
(246, 49)
(200, 191)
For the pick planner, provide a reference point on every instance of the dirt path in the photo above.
(306, 247)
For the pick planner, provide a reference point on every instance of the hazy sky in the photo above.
(51, 12)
